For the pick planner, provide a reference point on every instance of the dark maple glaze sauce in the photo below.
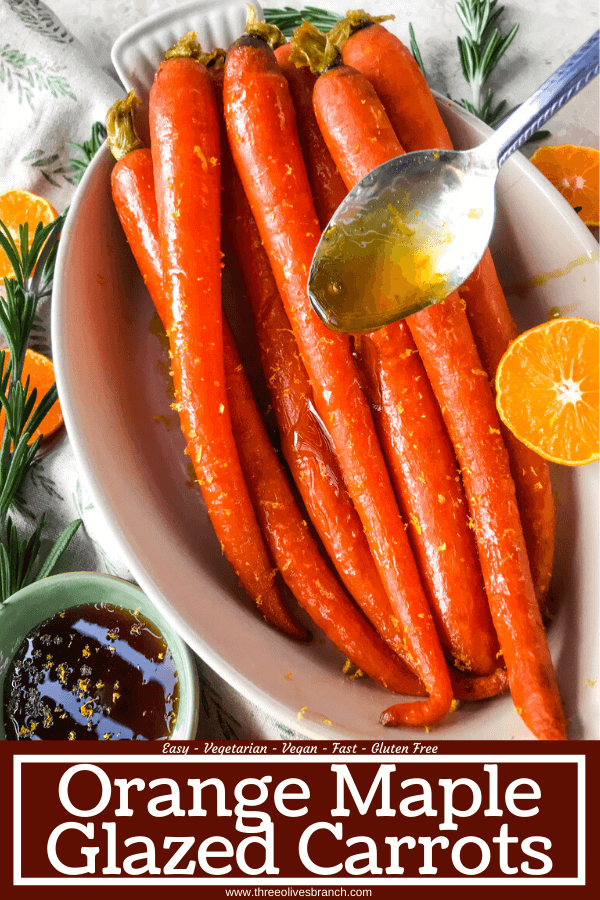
(92, 672)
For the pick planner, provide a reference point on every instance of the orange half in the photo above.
(574, 171)
(547, 390)
(16, 208)
(40, 371)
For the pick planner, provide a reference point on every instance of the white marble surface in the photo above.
(549, 31)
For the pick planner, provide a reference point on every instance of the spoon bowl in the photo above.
(404, 238)
(413, 229)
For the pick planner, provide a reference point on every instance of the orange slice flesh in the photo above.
(547, 390)
(16, 208)
(40, 371)
(574, 172)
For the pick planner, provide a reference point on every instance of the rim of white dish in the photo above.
(148, 25)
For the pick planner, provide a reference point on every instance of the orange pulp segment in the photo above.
(547, 390)
(16, 208)
(574, 172)
(40, 371)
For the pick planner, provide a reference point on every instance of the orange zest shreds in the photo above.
(547, 390)
(16, 208)
(40, 371)
(574, 173)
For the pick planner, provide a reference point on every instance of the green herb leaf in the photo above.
(414, 49)
(60, 545)
(480, 51)
(288, 19)
(19, 557)
(33, 270)
(87, 150)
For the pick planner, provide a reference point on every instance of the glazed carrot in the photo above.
(305, 445)
(413, 112)
(494, 328)
(267, 154)
(186, 159)
(411, 429)
(446, 346)
(327, 187)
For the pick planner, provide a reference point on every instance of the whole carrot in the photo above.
(445, 343)
(305, 444)
(401, 86)
(186, 161)
(267, 154)
(411, 428)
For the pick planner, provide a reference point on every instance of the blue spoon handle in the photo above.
(567, 81)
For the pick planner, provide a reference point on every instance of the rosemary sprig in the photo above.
(480, 51)
(288, 19)
(33, 270)
(414, 49)
(87, 150)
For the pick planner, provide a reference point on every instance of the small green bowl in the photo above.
(32, 605)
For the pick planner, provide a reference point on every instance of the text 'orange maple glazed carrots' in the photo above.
(264, 141)
(186, 160)
(412, 110)
(302, 566)
(446, 346)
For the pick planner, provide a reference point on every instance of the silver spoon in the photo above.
(414, 228)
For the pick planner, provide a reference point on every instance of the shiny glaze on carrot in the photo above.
(494, 328)
(304, 569)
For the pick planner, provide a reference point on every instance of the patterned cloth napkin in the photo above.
(51, 93)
